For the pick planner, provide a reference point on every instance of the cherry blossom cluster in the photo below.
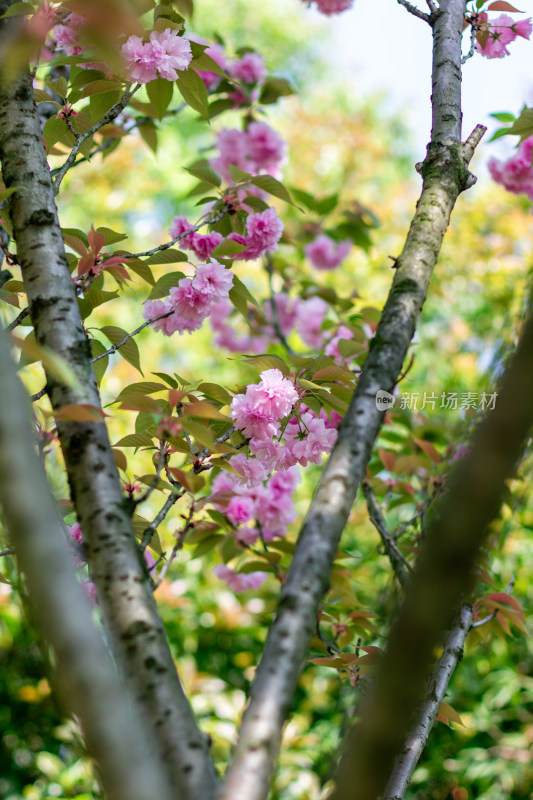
(324, 254)
(501, 31)
(258, 149)
(330, 7)
(67, 35)
(263, 232)
(190, 302)
(166, 54)
(516, 174)
(250, 70)
(264, 415)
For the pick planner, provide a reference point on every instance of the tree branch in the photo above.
(135, 630)
(445, 176)
(441, 580)
(425, 715)
(412, 9)
(400, 565)
(115, 734)
(112, 114)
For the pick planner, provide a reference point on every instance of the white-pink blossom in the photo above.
(239, 581)
(155, 308)
(188, 302)
(332, 348)
(179, 226)
(274, 394)
(240, 509)
(251, 420)
(67, 35)
(251, 471)
(330, 7)
(203, 245)
(165, 55)
(250, 69)
(308, 438)
(264, 232)
(500, 32)
(310, 316)
(515, 174)
(213, 281)
(324, 254)
(266, 148)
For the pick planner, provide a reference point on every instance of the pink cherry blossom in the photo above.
(250, 69)
(239, 582)
(216, 52)
(155, 308)
(188, 302)
(310, 316)
(250, 419)
(515, 174)
(178, 226)
(88, 586)
(213, 281)
(251, 471)
(67, 35)
(240, 509)
(165, 54)
(287, 311)
(500, 34)
(308, 438)
(203, 246)
(264, 232)
(232, 145)
(266, 148)
(274, 394)
(332, 348)
(330, 7)
(149, 560)
(523, 28)
(324, 254)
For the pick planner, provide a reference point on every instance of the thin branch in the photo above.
(426, 713)
(416, 12)
(472, 50)
(18, 319)
(112, 114)
(177, 547)
(433, 7)
(152, 527)
(118, 345)
(155, 480)
(276, 323)
(402, 568)
(38, 395)
(480, 622)
(9, 552)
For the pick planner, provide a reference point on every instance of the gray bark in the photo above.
(115, 735)
(445, 176)
(129, 610)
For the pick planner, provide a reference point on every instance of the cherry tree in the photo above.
(77, 79)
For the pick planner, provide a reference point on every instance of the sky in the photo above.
(385, 48)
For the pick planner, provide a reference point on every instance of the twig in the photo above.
(418, 515)
(416, 12)
(38, 396)
(18, 319)
(402, 568)
(472, 50)
(112, 114)
(177, 547)
(433, 7)
(478, 623)
(126, 338)
(153, 483)
(152, 527)
(276, 323)
(9, 552)
(429, 708)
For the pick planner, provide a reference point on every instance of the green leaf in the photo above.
(228, 248)
(268, 361)
(148, 132)
(215, 392)
(204, 172)
(206, 545)
(18, 9)
(168, 256)
(142, 387)
(160, 94)
(274, 187)
(255, 203)
(135, 440)
(99, 87)
(205, 63)
(327, 204)
(163, 286)
(111, 236)
(503, 116)
(97, 348)
(54, 130)
(193, 90)
(129, 351)
(238, 174)
(142, 270)
(240, 297)
(523, 126)
(101, 103)
(167, 378)
(274, 88)
(201, 432)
